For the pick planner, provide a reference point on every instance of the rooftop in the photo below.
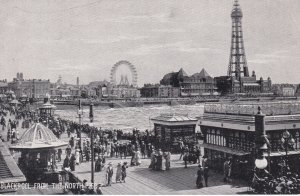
(38, 136)
(170, 117)
(268, 108)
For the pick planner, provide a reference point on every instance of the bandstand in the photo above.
(47, 110)
(38, 147)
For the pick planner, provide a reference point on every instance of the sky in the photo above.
(85, 38)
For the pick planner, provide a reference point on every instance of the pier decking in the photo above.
(141, 180)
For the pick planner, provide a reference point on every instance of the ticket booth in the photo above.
(171, 128)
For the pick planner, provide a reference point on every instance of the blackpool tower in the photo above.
(237, 60)
(237, 79)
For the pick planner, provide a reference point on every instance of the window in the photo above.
(297, 139)
(212, 137)
(208, 136)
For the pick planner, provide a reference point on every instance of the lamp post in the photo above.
(288, 142)
(91, 116)
(80, 113)
(261, 141)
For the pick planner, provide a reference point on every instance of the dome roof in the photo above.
(38, 136)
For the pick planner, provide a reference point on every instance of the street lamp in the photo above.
(91, 116)
(288, 142)
(80, 113)
(262, 147)
(261, 141)
(261, 163)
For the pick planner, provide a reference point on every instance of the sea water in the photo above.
(127, 118)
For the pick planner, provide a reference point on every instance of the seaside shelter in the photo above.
(170, 129)
(38, 146)
(230, 132)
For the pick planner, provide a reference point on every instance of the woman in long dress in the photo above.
(77, 156)
(159, 160)
(199, 180)
(72, 162)
(119, 173)
(152, 163)
(138, 158)
(168, 160)
(163, 162)
(108, 149)
(133, 159)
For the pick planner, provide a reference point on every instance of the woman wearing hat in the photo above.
(77, 156)
(109, 174)
(159, 160)
(72, 162)
(138, 158)
(199, 180)
(119, 172)
(124, 173)
(153, 160)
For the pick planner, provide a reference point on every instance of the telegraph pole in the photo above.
(92, 143)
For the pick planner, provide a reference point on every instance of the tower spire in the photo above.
(237, 59)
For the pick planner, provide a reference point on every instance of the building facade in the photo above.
(198, 84)
(160, 91)
(285, 90)
(35, 88)
(3, 87)
(122, 91)
(168, 91)
(149, 90)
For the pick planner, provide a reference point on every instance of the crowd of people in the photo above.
(160, 161)
(267, 184)
(138, 145)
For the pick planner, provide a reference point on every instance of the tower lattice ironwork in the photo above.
(237, 61)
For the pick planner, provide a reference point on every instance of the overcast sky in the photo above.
(85, 38)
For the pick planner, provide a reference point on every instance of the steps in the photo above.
(4, 170)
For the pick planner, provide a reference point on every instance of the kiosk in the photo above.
(171, 128)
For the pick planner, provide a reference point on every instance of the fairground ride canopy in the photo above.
(38, 137)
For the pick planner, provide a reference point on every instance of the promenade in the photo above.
(142, 180)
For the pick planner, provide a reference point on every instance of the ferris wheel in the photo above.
(131, 67)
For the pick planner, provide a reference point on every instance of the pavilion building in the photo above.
(229, 131)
